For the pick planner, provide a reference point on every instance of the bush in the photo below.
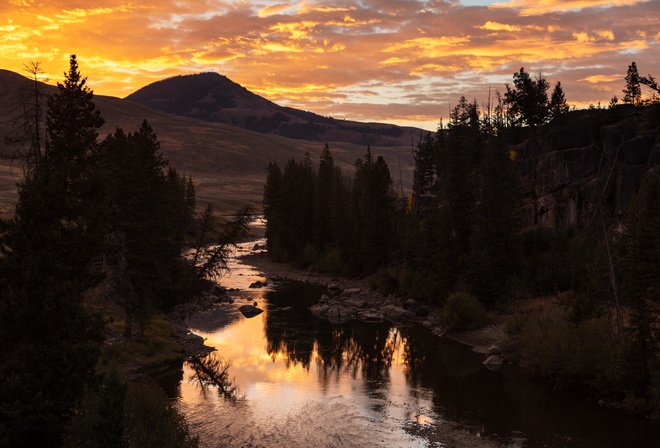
(463, 311)
(571, 354)
(330, 261)
(152, 421)
(384, 281)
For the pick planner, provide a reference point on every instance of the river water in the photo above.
(304, 382)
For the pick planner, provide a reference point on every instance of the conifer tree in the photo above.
(492, 262)
(374, 212)
(48, 341)
(632, 94)
(558, 105)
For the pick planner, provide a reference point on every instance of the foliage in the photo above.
(463, 311)
(558, 105)
(528, 99)
(572, 354)
(632, 94)
(152, 421)
(48, 340)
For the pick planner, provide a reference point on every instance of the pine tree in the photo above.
(492, 262)
(374, 213)
(528, 100)
(558, 105)
(49, 342)
(641, 283)
(632, 94)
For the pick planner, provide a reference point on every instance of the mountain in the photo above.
(215, 98)
(227, 163)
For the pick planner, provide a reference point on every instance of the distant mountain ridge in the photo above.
(215, 98)
(227, 163)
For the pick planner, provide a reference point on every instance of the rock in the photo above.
(351, 291)
(259, 284)
(372, 316)
(226, 300)
(493, 350)
(395, 314)
(319, 310)
(355, 303)
(338, 314)
(415, 307)
(324, 299)
(250, 311)
(493, 362)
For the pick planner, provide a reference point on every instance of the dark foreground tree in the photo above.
(49, 343)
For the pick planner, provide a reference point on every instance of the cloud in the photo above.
(351, 59)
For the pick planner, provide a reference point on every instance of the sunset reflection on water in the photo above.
(299, 375)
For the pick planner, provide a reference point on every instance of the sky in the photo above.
(405, 62)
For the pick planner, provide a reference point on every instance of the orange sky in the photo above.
(399, 61)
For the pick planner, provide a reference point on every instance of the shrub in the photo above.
(569, 353)
(463, 311)
(330, 261)
(384, 281)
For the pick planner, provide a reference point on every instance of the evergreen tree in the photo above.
(147, 209)
(641, 282)
(49, 342)
(460, 153)
(492, 262)
(326, 198)
(374, 213)
(632, 94)
(528, 100)
(425, 157)
(558, 105)
(272, 209)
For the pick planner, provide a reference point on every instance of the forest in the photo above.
(461, 244)
(90, 261)
(106, 237)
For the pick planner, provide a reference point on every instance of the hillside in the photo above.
(227, 163)
(215, 98)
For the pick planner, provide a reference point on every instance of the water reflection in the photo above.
(211, 371)
(307, 382)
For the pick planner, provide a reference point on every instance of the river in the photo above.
(304, 382)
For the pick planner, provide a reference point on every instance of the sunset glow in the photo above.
(397, 61)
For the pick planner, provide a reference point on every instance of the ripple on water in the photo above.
(335, 422)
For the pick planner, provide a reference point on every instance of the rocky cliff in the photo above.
(587, 158)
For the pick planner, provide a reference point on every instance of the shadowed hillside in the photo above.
(213, 97)
(227, 163)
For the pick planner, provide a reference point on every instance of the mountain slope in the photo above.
(215, 98)
(227, 163)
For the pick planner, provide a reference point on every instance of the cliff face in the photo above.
(586, 158)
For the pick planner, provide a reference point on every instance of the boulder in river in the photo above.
(250, 311)
(259, 284)
(493, 362)
(493, 350)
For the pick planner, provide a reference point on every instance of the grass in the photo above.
(156, 349)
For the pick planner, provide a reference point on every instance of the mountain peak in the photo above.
(213, 97)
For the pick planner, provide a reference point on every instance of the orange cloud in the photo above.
(536, 7)
(319, 55)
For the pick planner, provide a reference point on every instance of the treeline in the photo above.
(95, 221)
(325, 218)
(458, 242)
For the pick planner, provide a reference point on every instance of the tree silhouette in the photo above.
(632, 94)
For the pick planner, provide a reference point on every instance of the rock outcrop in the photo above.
(587, 157)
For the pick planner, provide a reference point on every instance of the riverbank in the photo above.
(479, 340)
